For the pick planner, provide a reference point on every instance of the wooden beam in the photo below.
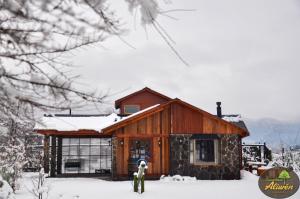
(59, 155)
(82, 132)
(135, 135)
(53, 156)
(46, 154)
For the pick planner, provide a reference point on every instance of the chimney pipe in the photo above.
(70, 111)
(219, 110)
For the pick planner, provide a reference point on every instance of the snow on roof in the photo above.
(134, 114)
(76, 123)
(232, 118)
(96, 123)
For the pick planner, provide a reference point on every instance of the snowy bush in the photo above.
(289, 159)
(12, 154)
(6, 192)
(40, 186)
(12, 161)
(178, 178)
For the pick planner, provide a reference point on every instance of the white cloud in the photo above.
(242, 52)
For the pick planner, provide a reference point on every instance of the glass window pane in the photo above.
(74, 150)
(105, 150)
(84, 141)
(84, 150)
(108, 159)
(95, 141)
(65, 150)
(128, 109)
(103, 163)
(191, 157)
(94, 163)
(71, 164)
(105, 141)
(85, 164)
(205, 150)
(74, 141)
(192, 145)
(65, 141)
(95, 150)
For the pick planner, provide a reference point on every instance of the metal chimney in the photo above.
(219, 110)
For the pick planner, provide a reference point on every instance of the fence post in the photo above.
(143, 184)
(135, 182)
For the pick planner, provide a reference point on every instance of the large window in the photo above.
(129, 109)
(204, 151)
(86, 155)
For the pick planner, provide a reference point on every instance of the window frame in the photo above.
(131, 105)
(105, 154)
(134, 139)
(193, 152)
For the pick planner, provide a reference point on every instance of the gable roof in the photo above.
(146, 89)
(158, 108)
(214, 116)
(108, 123)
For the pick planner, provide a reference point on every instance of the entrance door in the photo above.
(140, 149)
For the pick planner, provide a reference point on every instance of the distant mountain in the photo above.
(275, 133)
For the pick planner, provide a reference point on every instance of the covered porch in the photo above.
(77, 156)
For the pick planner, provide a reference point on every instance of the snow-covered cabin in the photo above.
(174, 137)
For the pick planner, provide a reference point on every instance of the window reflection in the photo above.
(86, 155)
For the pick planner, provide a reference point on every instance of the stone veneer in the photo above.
(228, 168)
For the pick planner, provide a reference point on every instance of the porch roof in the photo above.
(90, 123)
(65, 123)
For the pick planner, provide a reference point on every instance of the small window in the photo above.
(129, 109)
(204, 151)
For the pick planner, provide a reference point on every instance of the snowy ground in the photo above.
(89, 188)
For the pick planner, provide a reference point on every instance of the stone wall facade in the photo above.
(229, 162)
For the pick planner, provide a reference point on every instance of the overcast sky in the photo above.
(245, 53)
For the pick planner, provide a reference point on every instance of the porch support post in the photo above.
(53, 156)
(262, 153)
(46, 153)
(59, 154)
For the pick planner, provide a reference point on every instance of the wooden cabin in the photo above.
(174, 137)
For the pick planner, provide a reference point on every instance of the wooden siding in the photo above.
(155, 128)
(173, 118)
(188, 120)
(144, 100)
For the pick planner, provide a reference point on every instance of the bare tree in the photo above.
(34, 34)
(12, 152)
